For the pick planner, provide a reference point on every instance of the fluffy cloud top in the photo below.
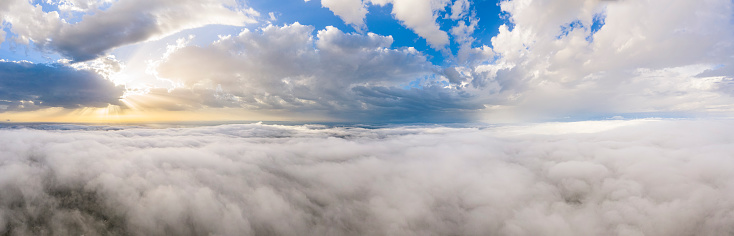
(595, 57)
(352, 12)
(418, 15)
(349, 75)
(28, 86)
(588, 178)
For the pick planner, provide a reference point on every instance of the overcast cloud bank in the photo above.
(640, 177)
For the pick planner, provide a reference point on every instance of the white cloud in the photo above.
(643, 59)
(272, 16)
(463, 35)
(29, 22)
(284, 67)
(459, 9)
(78, 5)
(634, 178)
(418, 15)
(123, 22)
(352, 12)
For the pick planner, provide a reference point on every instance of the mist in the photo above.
(621, 177)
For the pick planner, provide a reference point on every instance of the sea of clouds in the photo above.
(621, 177)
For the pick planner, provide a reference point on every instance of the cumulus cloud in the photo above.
(28, 86)
(120, 23)
(643, 177)
(285, 67)
(29, 22)
(418, 15)
(573, 57)
(586, 57)
(459, 9)
(352, 12)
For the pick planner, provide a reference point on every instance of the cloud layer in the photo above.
(643, 177)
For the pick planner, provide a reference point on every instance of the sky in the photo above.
(364, 60)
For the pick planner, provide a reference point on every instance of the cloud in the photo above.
(585, 57)
(459, 9)
(468, 54)
(2, 35)
(29, 22)
(724, 70)
(640, 177)
(28, 86)
(418, 15)
(351, 12)
(571, 59)
(588, 57)
(285, 67)
(123, 22)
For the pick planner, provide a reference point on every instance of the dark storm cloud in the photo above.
(30, 86)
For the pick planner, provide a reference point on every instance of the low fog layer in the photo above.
(643, 177)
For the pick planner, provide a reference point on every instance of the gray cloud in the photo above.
(120, 23)
(285, 68)
(585, 178)
(28, 86)
(723, 70)
(428, 103)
